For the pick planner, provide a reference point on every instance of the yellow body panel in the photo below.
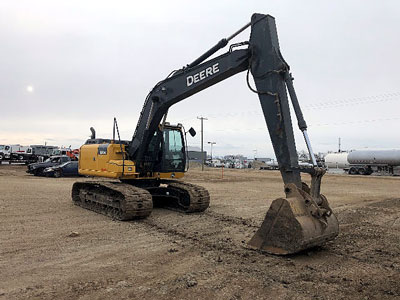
(107, 162)
(169, 175)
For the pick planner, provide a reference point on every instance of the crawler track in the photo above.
(124, 201)
(117, 200)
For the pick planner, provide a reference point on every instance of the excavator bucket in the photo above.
(295, 224)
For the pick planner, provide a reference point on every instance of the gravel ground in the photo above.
(51, 249)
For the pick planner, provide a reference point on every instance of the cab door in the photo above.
(174, 156)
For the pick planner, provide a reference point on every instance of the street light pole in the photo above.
(202, 151)
(211, 143)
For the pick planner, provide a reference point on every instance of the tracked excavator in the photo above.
(148, 167)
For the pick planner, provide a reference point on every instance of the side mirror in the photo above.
(192, 131)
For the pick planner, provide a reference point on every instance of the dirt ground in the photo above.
(51, 249)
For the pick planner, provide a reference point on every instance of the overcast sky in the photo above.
(67, 66)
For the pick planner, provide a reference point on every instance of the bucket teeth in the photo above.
(295, 224)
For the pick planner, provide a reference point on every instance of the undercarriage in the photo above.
(125, 201)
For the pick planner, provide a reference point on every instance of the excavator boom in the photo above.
(262, 57)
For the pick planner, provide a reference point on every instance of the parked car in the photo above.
(69, 168)
(38, 168)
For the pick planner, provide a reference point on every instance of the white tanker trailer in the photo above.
(365, 162)
(336, 160)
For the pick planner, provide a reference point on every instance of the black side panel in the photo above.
(266, 67)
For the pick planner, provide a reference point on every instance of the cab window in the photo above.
(174, 156)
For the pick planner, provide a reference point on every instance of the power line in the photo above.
(319, 105)
(363, 98)
(313, 125)
(356, 122)
(354, 101)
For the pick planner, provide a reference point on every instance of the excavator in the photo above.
(149, 168)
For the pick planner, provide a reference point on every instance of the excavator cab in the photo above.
(166, 152)
(174, 158)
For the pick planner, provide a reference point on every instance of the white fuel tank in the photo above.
(389, 157)
(336, 160)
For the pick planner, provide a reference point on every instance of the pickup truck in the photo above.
(37, 168)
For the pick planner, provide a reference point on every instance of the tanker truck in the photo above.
(366, 162)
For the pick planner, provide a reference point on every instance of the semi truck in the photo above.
(16, 153)
(26, 154)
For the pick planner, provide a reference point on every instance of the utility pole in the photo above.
(211, 143)
(202, 152)
(339, 146)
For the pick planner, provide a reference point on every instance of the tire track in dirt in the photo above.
(224, 237)
(224, 247)
(233, 239)
(209, 230)
(368, 234)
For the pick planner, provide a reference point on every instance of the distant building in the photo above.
(195, 154)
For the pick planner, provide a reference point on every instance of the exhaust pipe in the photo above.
(93, 136)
